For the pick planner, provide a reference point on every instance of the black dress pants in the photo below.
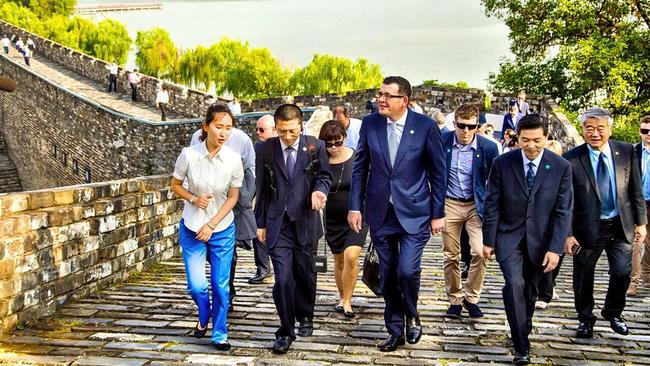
(521, 277)
(612, 240)
(294, 292)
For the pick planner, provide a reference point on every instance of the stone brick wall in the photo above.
(62, 244)
(55, 136)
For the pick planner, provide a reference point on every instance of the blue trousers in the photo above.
(400, 255)
(220, 248)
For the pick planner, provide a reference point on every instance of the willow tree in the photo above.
(110, 42)
(194, 68)
(331, 74)
(156, 54)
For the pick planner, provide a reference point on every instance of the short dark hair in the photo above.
(403, 85)
(213, 109)
(331, 130)
(466, 111)
(644, 119)
(287, 112)
(531, 122)
(345, 109)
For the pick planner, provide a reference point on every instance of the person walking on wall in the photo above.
(134, 81)
(113, 69)
(344, 243)
(214, 173)
(27, 54)
(162, 99)
(5, 44)
(399, 180)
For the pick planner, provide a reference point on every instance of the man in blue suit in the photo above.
(293, 179)
(527, 218)
(399, 176)
(469, 157)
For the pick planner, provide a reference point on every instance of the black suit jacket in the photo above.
(542, 216)
(586, 214)
(296, 197)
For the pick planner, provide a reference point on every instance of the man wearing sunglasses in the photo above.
(266, 128)
(399, 177)
(641, 261)
(469, 157)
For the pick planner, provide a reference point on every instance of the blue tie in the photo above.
(290, 163)
(604, 187)
(530, 176)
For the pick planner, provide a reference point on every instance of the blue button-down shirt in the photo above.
(460, 170)
(645, 172)
(593, 156)
(352, 133)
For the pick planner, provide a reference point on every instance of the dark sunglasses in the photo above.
(644, 131)
(335, 143)
(462, 126)
(261, 129)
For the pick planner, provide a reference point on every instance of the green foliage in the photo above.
(581, 52)
(46, 8)
(331, 74)
(110, 42)
(434, 82)
(157, 55)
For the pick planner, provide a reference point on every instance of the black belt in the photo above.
(463, 200)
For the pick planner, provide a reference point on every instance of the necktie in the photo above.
(290, 163)
(530, 176)
(393, 143)
(604, 187)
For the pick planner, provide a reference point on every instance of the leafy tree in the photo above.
(46, 8)
(194, 68)
(21, 17)
(110, 42)
(434, 82)
(578, 51)
(157, 55)
(331, 74)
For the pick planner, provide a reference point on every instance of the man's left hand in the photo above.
(437, 225)
(318, 200)
(639, 233)
(550, 261)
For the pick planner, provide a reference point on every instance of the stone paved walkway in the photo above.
(147, 321)
(90, 88)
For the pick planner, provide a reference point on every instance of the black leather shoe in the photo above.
(339, 309)
(465, 273)
(258, 278)
(306, 327)
(473, 309)
(585, 330)
(618, 325)
(200, 333)
(454, 311)
(521, 358)
(413, 330)
(282, 344)
(222, 346)
(391, 343)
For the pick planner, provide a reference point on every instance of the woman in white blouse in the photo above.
(214, 174)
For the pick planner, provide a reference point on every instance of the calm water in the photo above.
(448, 40)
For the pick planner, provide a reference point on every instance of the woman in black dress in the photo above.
(344, 243)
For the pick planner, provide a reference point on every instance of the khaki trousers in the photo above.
(457, 215)
(641, 257)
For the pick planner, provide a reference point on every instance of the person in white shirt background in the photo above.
(214, 173)
(5, 44)
(113, 69)
(162, 99)
(234, 106)
(352, 126)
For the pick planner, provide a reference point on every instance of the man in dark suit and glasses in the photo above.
(300, 177)
(399, 175)
(609, 214)
(526, 220)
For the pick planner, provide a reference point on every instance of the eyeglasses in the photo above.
(262, 129)
(329, 144)
(644, 131)
(462, 126)
(387, 96)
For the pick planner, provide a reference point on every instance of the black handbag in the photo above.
(371, 271)
(320, 260)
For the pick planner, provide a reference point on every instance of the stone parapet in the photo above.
(62, 244)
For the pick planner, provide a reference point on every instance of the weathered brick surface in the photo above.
(148, 320)
(52, 251)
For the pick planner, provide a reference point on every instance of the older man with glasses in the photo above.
(609, 214)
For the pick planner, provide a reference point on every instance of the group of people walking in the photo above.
(24, 48)
(403, 180)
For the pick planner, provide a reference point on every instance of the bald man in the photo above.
(266, 127)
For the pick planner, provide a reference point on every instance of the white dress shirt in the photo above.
(208, 175)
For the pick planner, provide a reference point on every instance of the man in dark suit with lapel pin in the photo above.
(526, 221)
(469, 157)
(399, 177)
(609, 214)
(641, 255)
(293, 179)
